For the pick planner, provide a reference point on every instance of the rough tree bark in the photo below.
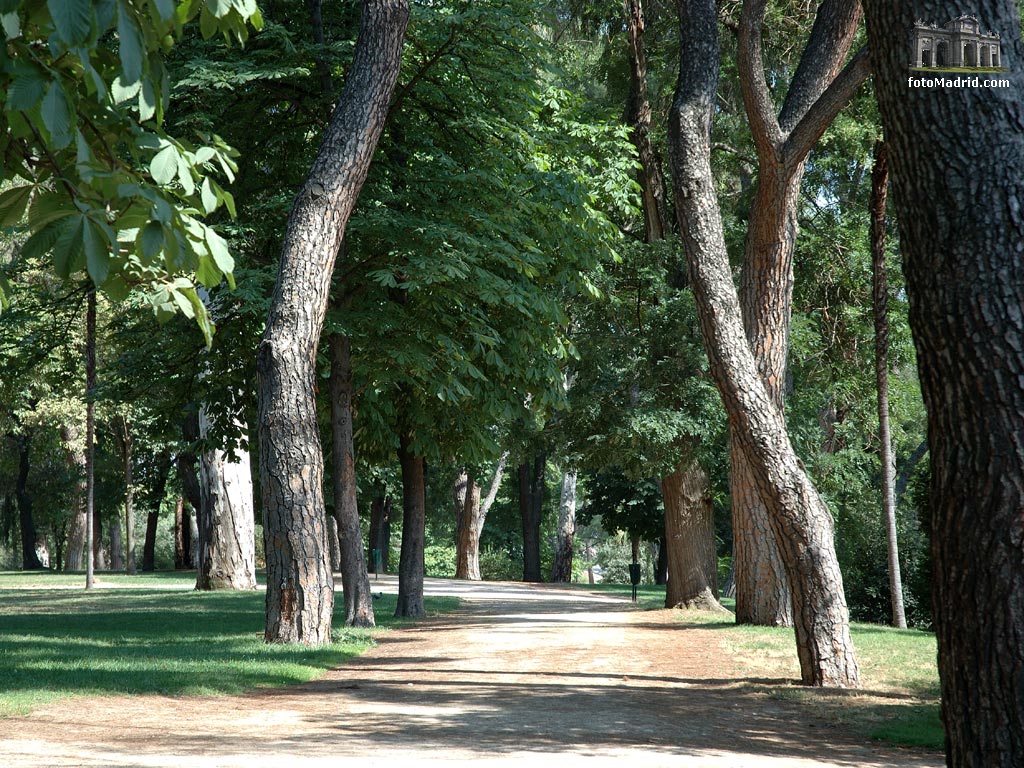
(227, 525)
(561, 568)
(470, 523)
(354, 578)
(800, 521)
(879, 185)
(957, 192)
(690, 531)
(819, 89)
(410, 565)
(70, 436)
(300, 588)
(531, 505)
(380, 529)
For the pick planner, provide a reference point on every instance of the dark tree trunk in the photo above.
(766, 285)
(300, 585)
(127, 442)
(410, 565)
(690, 536)
(661, 568)
(561, 568)
(29, 559)
(69, 435)
(800, 521)
(153, 518)
(182, 536)
(91, 532)
(116, 545)
(99, 556)
(470, 523)
(354, 579)
(879, 184)
(957, 191)
(380, 529)
(908, 469)
(531, 505)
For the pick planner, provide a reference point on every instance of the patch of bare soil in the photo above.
(520, 676)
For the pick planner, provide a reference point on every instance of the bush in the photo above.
(439, 561)
(499, 565)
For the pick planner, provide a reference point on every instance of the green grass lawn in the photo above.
(59, 642)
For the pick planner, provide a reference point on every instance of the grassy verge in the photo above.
(899, 699)
(57, 643)
(649, 597)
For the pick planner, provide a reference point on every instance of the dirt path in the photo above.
(522, 676)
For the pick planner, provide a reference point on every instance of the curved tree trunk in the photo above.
(410, 565)
(227, 524)
(70, 436)
(957, 192)
(800, 521)
(300, 586)
(470, 522)
(531, 506)
(879, 183)
(561, 569)
(354, 578)
(690, 535)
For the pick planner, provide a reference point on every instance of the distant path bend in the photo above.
(521, 676)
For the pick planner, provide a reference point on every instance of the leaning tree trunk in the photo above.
(227, 525)
(354, 579)
(957, 191)
(817, 92)
(801, 523)
(690, 538)
(531, 501)
(300, 586)
(70, 436)
(410, 564)
(561, 569)
(879, 183)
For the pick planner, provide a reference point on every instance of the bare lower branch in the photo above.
(764, 125)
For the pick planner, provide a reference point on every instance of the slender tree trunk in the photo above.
(661, 568)
(880, 181)
(99, 552)
(300, 587)
(332, 541)
(410, 565)
(380, 529)
(801, 523)
(226, 521)
(531, 505)
(471, 521)
(957, 195)
(116, 545)
(91, 534)
(153, 517)
(690, 534)
(561, 569)
(127, 444)
(182, 536)
(70, 436)
(29, 559)
(354, 578)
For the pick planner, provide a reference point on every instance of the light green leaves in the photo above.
(164, 165)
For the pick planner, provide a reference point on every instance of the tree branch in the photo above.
(764, 125)
(492, 492)
(821, 114)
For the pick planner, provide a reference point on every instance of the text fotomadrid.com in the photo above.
(956, 82)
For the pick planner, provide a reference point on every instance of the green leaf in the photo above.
(209, 197)
(74, 20)
(165, 8)
(48, 208)
(131, 46)
(67, 251)
(55, 116)
(207, 23)
(97, 252)
(9, 6)
(219, 251)
(12, 205)
(164, 165)
(26, 88)
(124, 92)
(11, 24)
(147, 101)
(219, 8)
(41, 242)
(185, 176)
(151, 240)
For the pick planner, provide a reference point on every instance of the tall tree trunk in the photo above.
(332, 541)
(99, 553)
(226, 520)
(91, 534)
(153, 517)
(471, 522)
(354, 579)
(800, 521)
(690, 535)
(182, 536)
(661, 568)
(410, 565)
(766, 285)
(380, 529)
(126, 439)
(957, 191)
(116, 545)
(879, 184)
(29, 559)
(531, 505)
(561, 569)
(70, 436)
(300, 586)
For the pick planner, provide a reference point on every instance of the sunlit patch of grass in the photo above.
(68, 642)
